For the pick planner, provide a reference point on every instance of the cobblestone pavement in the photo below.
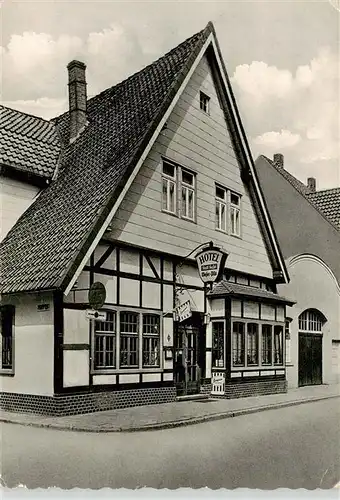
(172, 414)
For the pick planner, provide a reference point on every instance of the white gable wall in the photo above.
(201, 143)
(15, 198)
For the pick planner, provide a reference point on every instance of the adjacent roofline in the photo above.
(19, 174)
(305, 196)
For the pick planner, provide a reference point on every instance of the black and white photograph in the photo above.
(170, 247)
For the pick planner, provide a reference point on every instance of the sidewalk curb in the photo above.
(172, 424)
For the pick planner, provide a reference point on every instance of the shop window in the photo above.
(128, 339)
(238, 343)
(218, 344)
(278, 345)
(227, 211)
(129, 330)
(6, 337)
(151, 340)
(267, 344)
(105, 342)
(252, 344)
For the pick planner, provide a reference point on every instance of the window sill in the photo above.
(173, 214)
(7, 373)
(126, 371)
(188, 220)
(238, 236)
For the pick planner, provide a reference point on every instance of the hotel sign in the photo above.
(210, 263)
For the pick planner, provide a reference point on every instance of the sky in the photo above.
(282, 57)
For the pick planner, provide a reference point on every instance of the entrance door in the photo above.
(310, 359)
(187, 355)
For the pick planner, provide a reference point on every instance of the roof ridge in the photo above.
(92, 99)
(24, 113)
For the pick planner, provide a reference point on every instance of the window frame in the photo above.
(179, 186)
(7, 318)
(205, 102)
(260, 364)
(218, 348)
(230, 209)
(140, 367)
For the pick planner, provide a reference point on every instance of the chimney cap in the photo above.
(74, 63)
(278, 159)
(311, 183)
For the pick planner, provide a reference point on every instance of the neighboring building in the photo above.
(29, 152)
(307, 223)
(151, 172)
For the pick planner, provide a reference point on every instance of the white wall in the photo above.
(33, 346)
(15, 198)
(312, 285)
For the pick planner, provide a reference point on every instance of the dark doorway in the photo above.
(310, 359)
(189, 356)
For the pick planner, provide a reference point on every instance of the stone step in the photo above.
(192, 397)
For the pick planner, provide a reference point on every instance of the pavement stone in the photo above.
(167, 415)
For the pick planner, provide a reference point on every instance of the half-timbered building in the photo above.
(148, 268)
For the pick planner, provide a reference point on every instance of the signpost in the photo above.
(98, 315)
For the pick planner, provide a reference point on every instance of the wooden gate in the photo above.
(310, 359)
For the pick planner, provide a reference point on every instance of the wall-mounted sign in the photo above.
(98, 315)
(183, 311)
(97, 295)
(210, 263)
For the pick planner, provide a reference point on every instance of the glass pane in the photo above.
(187, 177)
(184, 202)
(190, 204)
(165, 195)
(171, 188)
(238, 344)
(223, 217)
(278, 346)
(220, 193)
(267, 344)
(168, 169)
(252, 348)
(234, 199)
(218, 344)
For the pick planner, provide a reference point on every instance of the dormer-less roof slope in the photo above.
(328, 201)
(28, 144)
(54, 237)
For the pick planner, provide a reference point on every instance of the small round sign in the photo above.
(97, 295)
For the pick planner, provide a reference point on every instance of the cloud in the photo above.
(277, 140)
(44, 107)
(294, 113)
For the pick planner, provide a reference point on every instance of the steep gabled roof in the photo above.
(53, 239)
(27, 143)
(328, 202)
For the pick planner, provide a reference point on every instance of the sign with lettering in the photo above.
(183, 311)
(98, 315)
(210, 263)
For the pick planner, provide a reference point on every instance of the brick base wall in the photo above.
(253, 388)
(205, 389)
(73, 404)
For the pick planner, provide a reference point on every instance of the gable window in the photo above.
(228, 211)
(204, 102)
(6, 337)
(169, 182)
(221, 209)
(188, 195)
(235, 226)
(178, 191)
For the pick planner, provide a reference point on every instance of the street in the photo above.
(294, 447)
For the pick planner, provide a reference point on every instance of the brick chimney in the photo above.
(77, 98)
(311, 184)
(278, 160)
